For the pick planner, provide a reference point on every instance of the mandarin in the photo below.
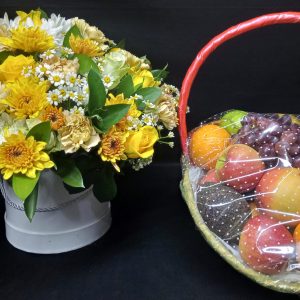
(206, 144)
(296, 236)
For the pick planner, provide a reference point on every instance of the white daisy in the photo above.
(77, 109)
(63, 91)
(73, 95)
(56, 78)
(42, 70)
(48, 54)
(71, 79)
(82, 81)
(27, 71)
(107, 80)
(65, 51)
(54, 97)
(150, 119)
(82, 98)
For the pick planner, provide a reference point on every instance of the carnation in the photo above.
(77, 132)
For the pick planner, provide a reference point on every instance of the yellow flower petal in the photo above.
(7, 174)
(140, 143)
(20, 155)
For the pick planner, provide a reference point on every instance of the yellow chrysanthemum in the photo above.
(85, 46)
(26, 97)
(113, 147)
(34, 15)
(19, 154)
(54, 115)
(28, 39)
(133, 111)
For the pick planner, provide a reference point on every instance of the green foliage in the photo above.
(68, 171)
(44, 15)
(160, 74)
(4, 55)
(105, 188)
(30, 203)
(41, 132)
(150, 94)
(97, 91)
(126, 86)
(86, 63)
(111, 115)
(23, 185)
(121, 44)
(73, 30)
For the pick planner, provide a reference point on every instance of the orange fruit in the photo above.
(296, 236)
(206, 144)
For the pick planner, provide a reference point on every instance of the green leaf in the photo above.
(86, 63)
(23, 185)
(150, 94)
(73, 30)
(121, 44)
(97, 91)
(43, 14)
(4, 55)
(30, 203)
(111, 115)
(69, 173)
(126, 86)
(160, 74)
(105, 188)
(41, 132)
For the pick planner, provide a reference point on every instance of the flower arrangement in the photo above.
(75, 102)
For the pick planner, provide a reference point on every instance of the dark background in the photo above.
(153, 250)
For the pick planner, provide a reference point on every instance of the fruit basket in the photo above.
(241, 179)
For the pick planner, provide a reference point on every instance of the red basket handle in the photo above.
(211, 46)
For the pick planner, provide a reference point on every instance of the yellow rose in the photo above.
(145, 78)
(139, 144)
(12, 67)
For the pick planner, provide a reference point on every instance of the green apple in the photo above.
(231, 121)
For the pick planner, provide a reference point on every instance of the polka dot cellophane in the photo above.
(245, 192)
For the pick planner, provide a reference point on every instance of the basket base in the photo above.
(58, 242)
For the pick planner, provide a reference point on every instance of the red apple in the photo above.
(278, 194)
(210, 177)
(240, 167)
(266, 245)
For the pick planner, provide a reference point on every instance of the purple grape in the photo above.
(275, 137)
(296, 162)
(281, 148)
(249, 139)
(275, 129)
(285, 120)
(274, 116)
(266, 150)
(289, 136)
(294, 150)
(274, 140)
(295, 128)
